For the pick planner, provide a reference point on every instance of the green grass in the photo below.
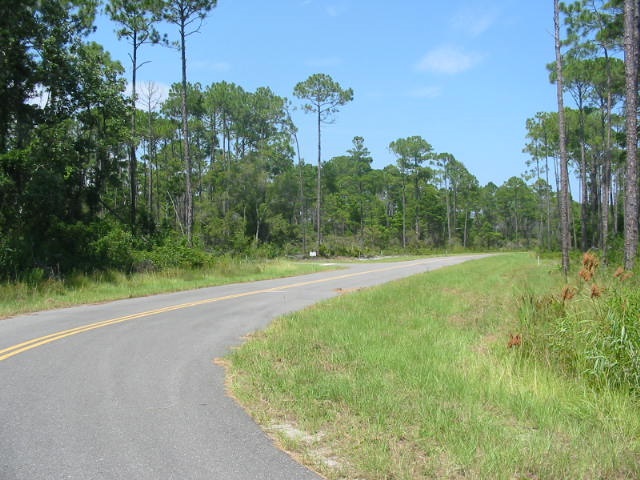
(414, 380)
(23, 297)
(588, 328)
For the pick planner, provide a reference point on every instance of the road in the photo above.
(129, 390)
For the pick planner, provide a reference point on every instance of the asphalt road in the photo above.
(128, 390)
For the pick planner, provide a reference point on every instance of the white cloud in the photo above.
(448, 59)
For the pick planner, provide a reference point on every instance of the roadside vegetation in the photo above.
(496, 368)
(38, 291)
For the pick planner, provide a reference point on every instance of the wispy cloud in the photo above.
(449, 60)
(426, 92)
(474, 21)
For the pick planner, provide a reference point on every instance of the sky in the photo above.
(463, 74)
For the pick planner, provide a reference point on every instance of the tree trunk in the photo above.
(185, 138)
(133, 162)
(606, 169)
(301, 211)
(546, 164)
(466, 222)
(258, 223)
(584, 196)
(564, 170)
(404, 212)
(416, 197)
(631, 180)
(151, 158)
(318, 186)
(448, 207)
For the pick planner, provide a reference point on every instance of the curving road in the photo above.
(129, 390)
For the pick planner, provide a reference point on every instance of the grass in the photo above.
(31, 296)
(414, 380)
(589, 328)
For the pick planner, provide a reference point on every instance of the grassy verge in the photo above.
(415, 380)
(26, 297)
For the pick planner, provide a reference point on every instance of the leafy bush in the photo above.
(335, 246)
(264, 250)
(171, 253)
(115, 249)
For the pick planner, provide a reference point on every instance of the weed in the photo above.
(515, 340)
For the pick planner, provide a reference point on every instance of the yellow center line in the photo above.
(46, 339)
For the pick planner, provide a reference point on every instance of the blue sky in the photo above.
(463, 74)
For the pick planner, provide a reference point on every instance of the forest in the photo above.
(95, 175)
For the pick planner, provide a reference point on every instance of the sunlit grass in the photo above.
(79, 289)
(415, 380)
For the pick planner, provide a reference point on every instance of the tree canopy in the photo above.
(92, 179)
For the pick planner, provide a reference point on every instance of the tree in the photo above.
(59, 156)
(631, 38)
(324, 96)
(35, 42)
(597, 25)
(54, 191)
(543, 132)
(151, 99)
(136, 19)
(517, 207)
(460, 189)
(412, 152)
(19, 31)
(346, 181)
(188, 16)
(361, 159)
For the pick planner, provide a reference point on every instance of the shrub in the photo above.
(114, 250)
(171, 253)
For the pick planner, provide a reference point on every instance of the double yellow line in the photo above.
(39, 341)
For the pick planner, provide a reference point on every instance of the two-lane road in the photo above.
(128, 390)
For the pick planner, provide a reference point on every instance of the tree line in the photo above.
(596, 65)
(92, 178)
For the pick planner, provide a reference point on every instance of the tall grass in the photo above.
(415, 380)
(35, 292)
(589, 328)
